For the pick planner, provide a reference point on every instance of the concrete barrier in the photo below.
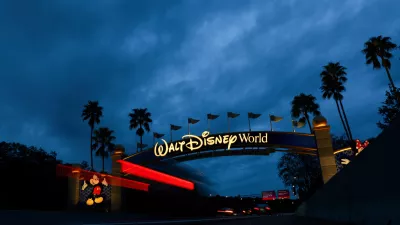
(366, 191)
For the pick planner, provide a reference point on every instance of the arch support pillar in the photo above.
(116, 191)
(325, 150)
(73, 186)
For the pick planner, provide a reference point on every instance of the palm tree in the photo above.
(302, 106)
(92, 112)
(140, 118)
(380, 48)
(333, 78)
(103, 142)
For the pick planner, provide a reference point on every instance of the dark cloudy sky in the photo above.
(180, 59)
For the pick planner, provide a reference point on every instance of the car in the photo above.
(247, 211)
(226, 212)
(262, 209)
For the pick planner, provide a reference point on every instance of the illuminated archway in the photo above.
(192, 147)
(206, 145)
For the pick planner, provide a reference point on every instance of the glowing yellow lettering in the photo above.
(243, 138)
(193, 142)
(266, 138)
(218, 140)
(226, 139)
(181, 143)
(232, 140)
(171, 148)
(161, 151)
(251, 139)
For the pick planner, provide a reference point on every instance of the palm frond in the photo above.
(103, 141)
(92, 112)
(140, 118)
(303, 104)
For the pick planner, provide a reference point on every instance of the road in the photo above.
(64, 218)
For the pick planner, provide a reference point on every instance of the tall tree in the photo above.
(380, 48)
(390, 108)
(141, 119)
(333, 78)
(302, 106)
(302, 171)
(103, 143)
(92, 112)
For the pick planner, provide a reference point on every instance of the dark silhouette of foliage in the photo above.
(302, 171)
(103, 143)
(380, 48)
(85, 165)
(333, 78)
(29, 179)
(302, 106)
(17, 151)
(390, 109)
(340, 142)
(92, 112)
(140, 118)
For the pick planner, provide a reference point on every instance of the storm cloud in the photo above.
(184, 59)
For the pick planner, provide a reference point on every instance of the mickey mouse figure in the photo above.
(95, 197)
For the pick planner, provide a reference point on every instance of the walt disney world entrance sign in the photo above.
(227, 141)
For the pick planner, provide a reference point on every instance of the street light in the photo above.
(293, 186)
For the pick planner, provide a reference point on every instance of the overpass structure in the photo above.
(160, 164)
(188, 149)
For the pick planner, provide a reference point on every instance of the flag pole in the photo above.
(170, 132)
(137, 150)
(293, 126)
(208, 124)
(229, 124)
(270, 122)
(249, 123)
(188, 127)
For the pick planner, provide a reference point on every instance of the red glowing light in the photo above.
(361, 145)
(63, 170)
(143, 172)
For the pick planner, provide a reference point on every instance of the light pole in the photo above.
(294, 182)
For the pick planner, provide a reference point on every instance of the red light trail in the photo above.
(63, 170)
(146, 173)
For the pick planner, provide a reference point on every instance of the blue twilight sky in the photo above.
(184, 59)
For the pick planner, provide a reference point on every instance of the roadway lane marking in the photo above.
(176, 221)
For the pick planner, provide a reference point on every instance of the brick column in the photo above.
(116, 192)
(73, 187)
(325, 149)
